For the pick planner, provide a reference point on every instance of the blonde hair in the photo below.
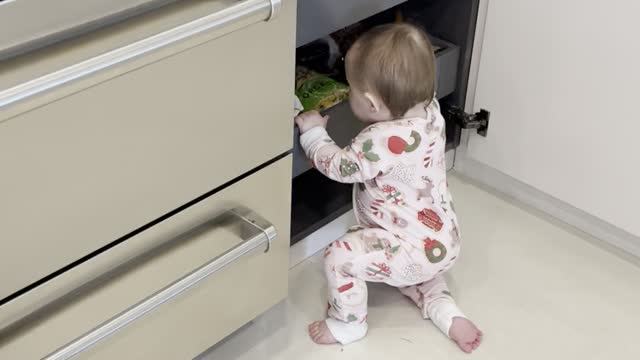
(396, 62)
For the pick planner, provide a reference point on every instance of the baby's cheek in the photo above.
(358, 109)
(352, 104)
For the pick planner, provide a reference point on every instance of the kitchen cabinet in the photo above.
(126, 153)
(563, 130)
(550, 94)
(451, 25)
(152, 181)
(204, 272)
(137, 131)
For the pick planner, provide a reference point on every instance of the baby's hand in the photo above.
(309, 120)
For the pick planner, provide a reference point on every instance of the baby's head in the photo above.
(390, 69)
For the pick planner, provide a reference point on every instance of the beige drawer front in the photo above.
(200, 316)
(90, 167)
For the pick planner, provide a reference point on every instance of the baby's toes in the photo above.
(466, 347)
(314, 330)
(477, 341)
(316, 338)
(319, 334)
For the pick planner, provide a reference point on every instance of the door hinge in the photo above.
(479, 120)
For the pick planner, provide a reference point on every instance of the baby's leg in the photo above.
(347, 295)
(435, 301)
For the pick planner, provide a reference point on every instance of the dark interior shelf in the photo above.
(316, 201)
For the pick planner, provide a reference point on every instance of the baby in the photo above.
(408, 233)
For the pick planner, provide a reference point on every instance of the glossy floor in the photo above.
(536, 288)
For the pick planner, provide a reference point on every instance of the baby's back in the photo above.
(410, 196)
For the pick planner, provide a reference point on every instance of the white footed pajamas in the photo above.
(407, 235)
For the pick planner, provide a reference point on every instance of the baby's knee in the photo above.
(340, 255)
(337, 252)
(349, 245)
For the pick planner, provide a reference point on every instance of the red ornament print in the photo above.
(396, 145)
(345, 287)
(430, 219)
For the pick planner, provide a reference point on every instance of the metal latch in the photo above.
(479, 120)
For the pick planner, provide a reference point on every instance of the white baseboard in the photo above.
(572, 216)
(320, 239)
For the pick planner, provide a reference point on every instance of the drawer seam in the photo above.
(131, 234)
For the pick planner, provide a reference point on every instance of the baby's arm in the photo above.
(357, 162)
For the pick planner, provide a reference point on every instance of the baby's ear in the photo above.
(374, 103)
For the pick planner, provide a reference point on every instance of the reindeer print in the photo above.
(426, 192)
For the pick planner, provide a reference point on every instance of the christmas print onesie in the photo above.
(407, 234)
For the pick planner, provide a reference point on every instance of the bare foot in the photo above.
(320, 334)
(465, 334)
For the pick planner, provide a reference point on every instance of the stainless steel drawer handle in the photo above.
(268, 8)
(263, 234)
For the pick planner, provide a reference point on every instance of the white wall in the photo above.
(562, 81)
